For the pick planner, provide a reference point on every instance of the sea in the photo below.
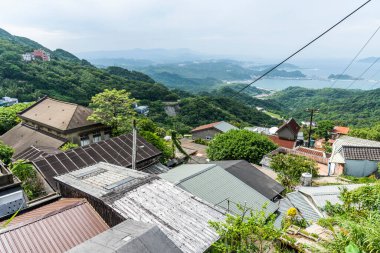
(317, 72)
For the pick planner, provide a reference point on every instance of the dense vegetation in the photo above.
(8, 116)
(347, 107)
(369, 133)
(356, 221)
(70, 79)
(240, 145)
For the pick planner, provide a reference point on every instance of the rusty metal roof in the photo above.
(56, 227)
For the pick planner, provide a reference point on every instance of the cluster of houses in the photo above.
(8, 101)
(95, 202)
(36, 54)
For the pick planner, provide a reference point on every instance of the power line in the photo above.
(356, 56)
(363, 73)
(302, 48)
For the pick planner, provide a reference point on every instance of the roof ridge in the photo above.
(196, 174)
(79, 202)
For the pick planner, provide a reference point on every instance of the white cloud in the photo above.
(269, 28)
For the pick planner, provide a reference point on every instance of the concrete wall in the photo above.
(360, 168)
(285, 133)
(205, 133)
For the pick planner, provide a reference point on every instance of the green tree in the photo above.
(290, 167)
(113, 108)
(159, 143)
(31, 183)
(68, 146)
(249, 232)
(324, 129)
(240, 144)
(6, 153)
(8, 116)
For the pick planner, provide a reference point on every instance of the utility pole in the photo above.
(312, 111)
(134, 144)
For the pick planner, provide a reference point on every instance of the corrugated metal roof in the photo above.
(35, 152)
(221, 126)
(217, 186)
(308, 211)
(180, 215)
(129, 236)
(321, 194)
(225, 127)
(253, 177)
(56, 227)
(117, 151)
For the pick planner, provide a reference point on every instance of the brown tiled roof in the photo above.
(204, 127)
(341, 130)
(57, 114)
(361, 153)
(117, 151)
(282, 150)
(311, 151)
(292, 125)
(282, 142)
(56, 227)
(23, 136)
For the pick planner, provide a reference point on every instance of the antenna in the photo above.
(134, 141)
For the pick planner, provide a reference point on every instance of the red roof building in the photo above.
(281, 142)
(341, 130)
(289, 130)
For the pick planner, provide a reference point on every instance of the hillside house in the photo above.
(41, 54)
(207, 132)
(289, 130)
(354, 156)
(8, 101)
(51, 123)
(340, 131)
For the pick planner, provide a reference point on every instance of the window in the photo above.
(96, 137)
(107, 134)
(84, 140)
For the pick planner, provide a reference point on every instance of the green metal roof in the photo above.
(217, 186)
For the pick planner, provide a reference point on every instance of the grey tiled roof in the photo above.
(347, 147)
(308, 211)
(361, 153)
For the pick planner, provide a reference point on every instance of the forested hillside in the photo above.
(352, 107)
(68, 78)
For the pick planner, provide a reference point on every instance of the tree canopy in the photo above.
(290, 167)
(6, 153)
(240, 144)
(113, 108)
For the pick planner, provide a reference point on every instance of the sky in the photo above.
(270, 29)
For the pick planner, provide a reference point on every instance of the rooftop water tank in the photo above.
(306, 179)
